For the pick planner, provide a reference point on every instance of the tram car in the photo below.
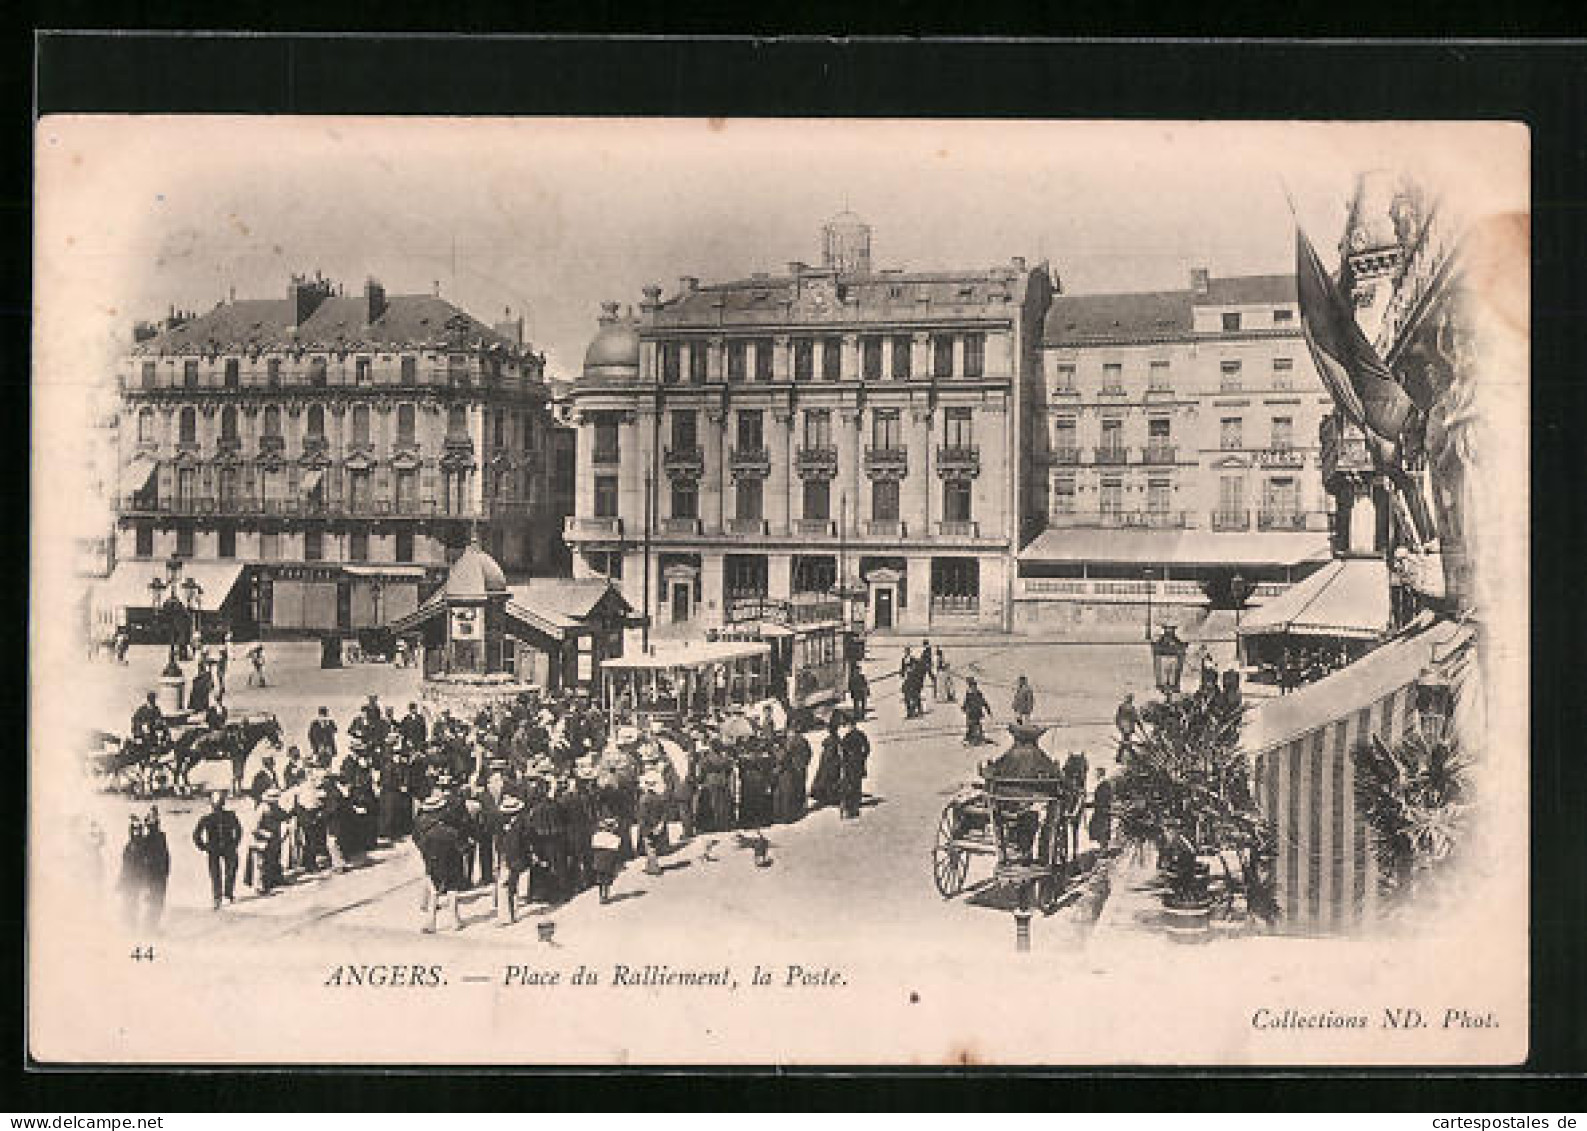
(812, 647)
(681, 680)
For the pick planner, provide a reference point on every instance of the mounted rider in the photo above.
(149, 728)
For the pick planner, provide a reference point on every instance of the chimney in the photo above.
(306, 294)
(231, 294)
(143, 331)
(374, 301)
(652, 298)
(1019, 263)
(608, 313)
(1200, 281)
(435, 288)
(688, 284)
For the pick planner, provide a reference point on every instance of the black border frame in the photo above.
(1541, 84)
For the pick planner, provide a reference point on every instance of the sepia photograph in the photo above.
(620, 592)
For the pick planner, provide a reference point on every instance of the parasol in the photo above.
(735, 727)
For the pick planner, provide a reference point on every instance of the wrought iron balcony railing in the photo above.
(959, 458)
(1066, 455)
(750, 526)
(1111, 455)
(1281, 520)
(1231, 520)
(887, 528)
(816, 527)
(959, 528)
(887, 459)
(1159, 454)
(817, 462)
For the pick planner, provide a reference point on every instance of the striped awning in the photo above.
(1301, 749)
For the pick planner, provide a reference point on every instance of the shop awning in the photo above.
(312, 480)
(1349, 597)
(387, 571)
(128, 585)
(136, 475)
(1176, 547)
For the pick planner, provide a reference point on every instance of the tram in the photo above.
(812, 647)
(675, 681)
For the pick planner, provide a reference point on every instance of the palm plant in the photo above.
(1413, 800)
(1184, 772)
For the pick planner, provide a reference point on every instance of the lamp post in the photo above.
(1237, 594)
(1168, 661)
(1151, 576)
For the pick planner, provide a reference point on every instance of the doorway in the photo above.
(883, 608)
(682, 594)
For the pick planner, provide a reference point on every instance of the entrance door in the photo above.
(681, 592)
(884, 608)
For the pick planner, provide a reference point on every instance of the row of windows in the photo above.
(1230, 377)
(407, 416)
(316, 375)
(750, 430)
(751, 358)
(1280, 495)
(749, 499)
(1231, 433)
(357, 544)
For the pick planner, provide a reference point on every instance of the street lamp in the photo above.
(1435, 704)
(1237, 594)
(1151, 576)
(193, 597)
(1168, 661)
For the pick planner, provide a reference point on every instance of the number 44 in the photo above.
(142, 954)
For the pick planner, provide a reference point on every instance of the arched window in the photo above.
(228, 423)
(272, 421)
(187, 426)
(361, 424)
(145, 426)
(317, 421)
(405, 423)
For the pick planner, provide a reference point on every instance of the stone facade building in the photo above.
(830, 427)
(317, 460)
(1175, 447)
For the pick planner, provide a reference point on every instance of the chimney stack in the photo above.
(608, 313)
(1200, 280)
(306, 294)
(374, 301)
(1019, 263)
(688, 284)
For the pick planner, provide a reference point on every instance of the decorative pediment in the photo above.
(359, 460)
(406, 459)
(315, 458)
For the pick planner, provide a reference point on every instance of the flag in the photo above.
(1360, 384)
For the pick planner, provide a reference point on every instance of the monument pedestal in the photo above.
(170, 694)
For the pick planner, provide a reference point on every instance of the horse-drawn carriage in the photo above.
(162, 761)
(1021, 824)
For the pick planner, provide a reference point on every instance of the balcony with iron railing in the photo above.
(1066, 456)
(306, 506)
(1282, 519)
(1111, 455)
(688, 458)
(593, 526)
(687, 526)
(887, 528)
(817, 462)
(1231, 520)
(1159, 454)
(747, 526)
(959, 528)
(754, 460)
(958, 459)
(887, 459)
(815, 527)
(232, 445)
(1121, 519)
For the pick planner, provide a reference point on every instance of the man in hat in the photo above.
(546, 833)
(652, 819)
(854, 754)
(156, 870)
(264, 779)
(859, 691)
(218, 835)
(515, 850)
(976, 711)
(414, 729)
(203, 687)
(309, 813)
(322, 738)
(131, 882)
(440, 849)
(148, 724)
(1101, 825)
(264, 853)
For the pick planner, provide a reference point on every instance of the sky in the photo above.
(548, 217)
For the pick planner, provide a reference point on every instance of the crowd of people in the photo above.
(537, 801)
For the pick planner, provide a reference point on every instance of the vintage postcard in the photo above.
(679, 592)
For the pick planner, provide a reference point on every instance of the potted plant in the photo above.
(1185, 789)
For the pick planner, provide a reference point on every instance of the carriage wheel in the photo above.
(949, 862)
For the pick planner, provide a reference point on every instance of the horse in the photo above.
(124, 762)
(234, 742)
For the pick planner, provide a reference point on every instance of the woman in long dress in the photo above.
(825, 786)
(793, 764)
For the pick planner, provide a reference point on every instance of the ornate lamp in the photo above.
(1151, 577)
(1237, 595)
(1168, 661)
(1435, 704)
